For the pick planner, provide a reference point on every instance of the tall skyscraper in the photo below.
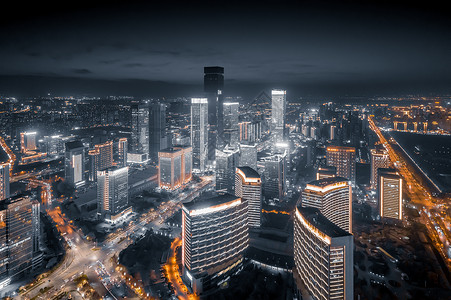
(94, 157)
(323, 256)
(248, 155)
(174, 167)
(16, 236)
(139, 141)
(75, 163)
(122, 152)
(389, 194)
(27, 141)
(214, 237)
(279, 102)
(343, 158)
(214, 88)
(275, 167)
(379, 159)
(199, 132)
(101, 158)
(4, 181)
(326, 172)
(248, 186)
(231, 128)
(158, 139)
(112, 193)
(333, 197)
(226, 162)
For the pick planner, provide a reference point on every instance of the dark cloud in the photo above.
(321, 46)
(81, 71)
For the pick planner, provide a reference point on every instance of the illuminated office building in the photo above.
(231, 128)
(305, 129)
(326, 172)
(274, 186)
(4, 181)
(55, 144)
(343, 158)
(112, 194)
(139, 140)
(75, 163)
(122, 147)
(199, 132)
(389, 193)
(174, 167)
(248, 155)
(379, 159)
(323, 256)
(278, 112)
(101, 158)
(314, 133)
(214, 236)
(332, 132)
(27, 141)
(158, 139)
(226, 162)
(333, 197)
(248, 186)
(214, 88)
(19, 235)
(94, 156)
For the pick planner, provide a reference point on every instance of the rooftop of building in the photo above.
(181, 146)
(314, 217)
(249, 172)
(327, 170)
(208, 200)
(170, 150)
(328, 181)
(388, 172)
(214, 70)
(340, 148)
(12, 199)
(74, 145)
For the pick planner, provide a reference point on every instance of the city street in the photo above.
(82, 255)
(419, 195)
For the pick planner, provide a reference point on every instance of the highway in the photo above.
(421, 197)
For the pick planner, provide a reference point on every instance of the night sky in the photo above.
(312, 48)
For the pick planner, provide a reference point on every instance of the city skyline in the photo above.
(267, 150)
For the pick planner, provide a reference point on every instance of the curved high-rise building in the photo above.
(248, 185)
(214, 238)
(323, 256)
(333, 197)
